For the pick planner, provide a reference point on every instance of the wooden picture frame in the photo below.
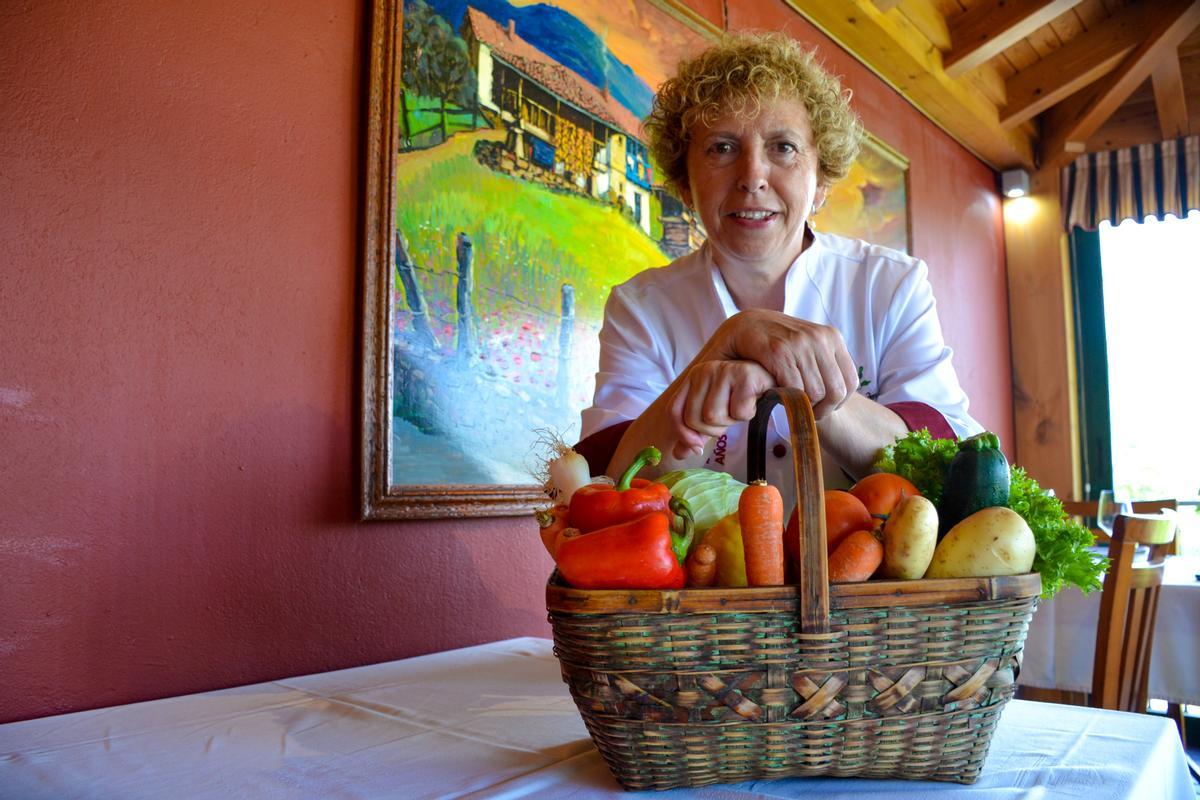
(554, 131)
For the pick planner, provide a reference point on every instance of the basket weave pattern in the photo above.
(688, 700)
(902, 679)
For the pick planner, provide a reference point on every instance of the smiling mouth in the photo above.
(756, 216)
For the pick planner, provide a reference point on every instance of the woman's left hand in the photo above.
(712, 396)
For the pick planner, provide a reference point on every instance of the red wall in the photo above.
(177, 384)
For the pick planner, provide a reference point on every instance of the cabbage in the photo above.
(711, 495)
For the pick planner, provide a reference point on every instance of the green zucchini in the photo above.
(977, 478)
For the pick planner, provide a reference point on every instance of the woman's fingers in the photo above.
(687, 441)
(712, 396)
(743, 400)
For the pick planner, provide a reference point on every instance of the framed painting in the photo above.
(871, 202)
(507, 191)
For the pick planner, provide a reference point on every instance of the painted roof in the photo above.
(561, 80)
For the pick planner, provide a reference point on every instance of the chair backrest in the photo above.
(1128, 607)
(1170, 504)
(1084, 511)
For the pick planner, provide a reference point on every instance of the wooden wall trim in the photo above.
(1044, 417)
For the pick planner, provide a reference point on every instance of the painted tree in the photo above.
(435, 60)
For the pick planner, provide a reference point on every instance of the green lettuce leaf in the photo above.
(920, 458)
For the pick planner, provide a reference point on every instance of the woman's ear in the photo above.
(819, 197)
(685, 194)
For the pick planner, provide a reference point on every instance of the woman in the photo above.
(751, 134)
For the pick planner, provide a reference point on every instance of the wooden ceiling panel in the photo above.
(1045, 39)
(1022, 55)
(1083, 60)
(1169, 101)
(1031, 82)
(988, 28)
(1070, 124)
(1068, 26)
(1090, 12)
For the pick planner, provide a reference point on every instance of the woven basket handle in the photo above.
(810, 496)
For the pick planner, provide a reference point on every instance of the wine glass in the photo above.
(1107, 509)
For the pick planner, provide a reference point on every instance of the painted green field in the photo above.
(527, 239)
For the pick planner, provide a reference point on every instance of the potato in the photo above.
(909, 538)
(993, 541)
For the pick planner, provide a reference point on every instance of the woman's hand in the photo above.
(796, 353)
(711, 396)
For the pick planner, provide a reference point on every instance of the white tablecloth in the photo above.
(1061, 644)
(495, 721)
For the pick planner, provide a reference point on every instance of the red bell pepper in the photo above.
(599, 505)
(552, 521)
(645, 553)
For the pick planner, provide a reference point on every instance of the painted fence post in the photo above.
(566, 331)
(467, 340)
(412, 293)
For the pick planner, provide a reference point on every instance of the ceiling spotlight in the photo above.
(1014, 183)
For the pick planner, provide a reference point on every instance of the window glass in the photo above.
(1151, 276)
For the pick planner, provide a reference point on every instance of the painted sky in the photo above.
(645, 38)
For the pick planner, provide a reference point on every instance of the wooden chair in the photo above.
(1128, 606)
(1084, 511)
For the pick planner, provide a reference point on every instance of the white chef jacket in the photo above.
(879, 299)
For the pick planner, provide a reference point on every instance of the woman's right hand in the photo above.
(712, 395)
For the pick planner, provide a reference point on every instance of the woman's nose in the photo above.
(752, 170)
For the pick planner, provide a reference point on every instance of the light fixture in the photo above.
(1014, 183)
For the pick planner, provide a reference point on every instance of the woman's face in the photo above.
(754, 183)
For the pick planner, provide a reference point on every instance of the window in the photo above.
(1150, 274)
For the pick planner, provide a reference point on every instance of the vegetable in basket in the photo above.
(711, 495)
(726, 539)
(977, 478)
(644, 553)
(1062, 554)
(551, 522)
(760, 515)
(599, 505)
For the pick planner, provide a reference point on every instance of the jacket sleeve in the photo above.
(915, 364)
(634, 368)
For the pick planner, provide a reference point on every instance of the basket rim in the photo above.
(773, 599)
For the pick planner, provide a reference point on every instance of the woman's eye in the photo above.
(786, 147)
(721, 148)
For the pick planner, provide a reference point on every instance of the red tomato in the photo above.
(844, 514)
(881, 492)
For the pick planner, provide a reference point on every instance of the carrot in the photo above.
(856, 558)
(760, 514)
(702, 566)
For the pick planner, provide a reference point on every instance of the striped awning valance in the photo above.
(1149, 180)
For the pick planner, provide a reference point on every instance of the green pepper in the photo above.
(599, 505)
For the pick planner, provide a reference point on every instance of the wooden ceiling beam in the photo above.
(893, 49)
(987, 28)
(1169, 99)
(886, 5)
(1069, 124)
(1080, 62)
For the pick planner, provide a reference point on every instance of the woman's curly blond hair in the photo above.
(741, 74)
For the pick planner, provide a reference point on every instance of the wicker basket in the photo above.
(898, 679)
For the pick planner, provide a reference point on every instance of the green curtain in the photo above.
(1091, 361)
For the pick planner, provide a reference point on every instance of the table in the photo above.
(1061, 644)
(495, 721)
